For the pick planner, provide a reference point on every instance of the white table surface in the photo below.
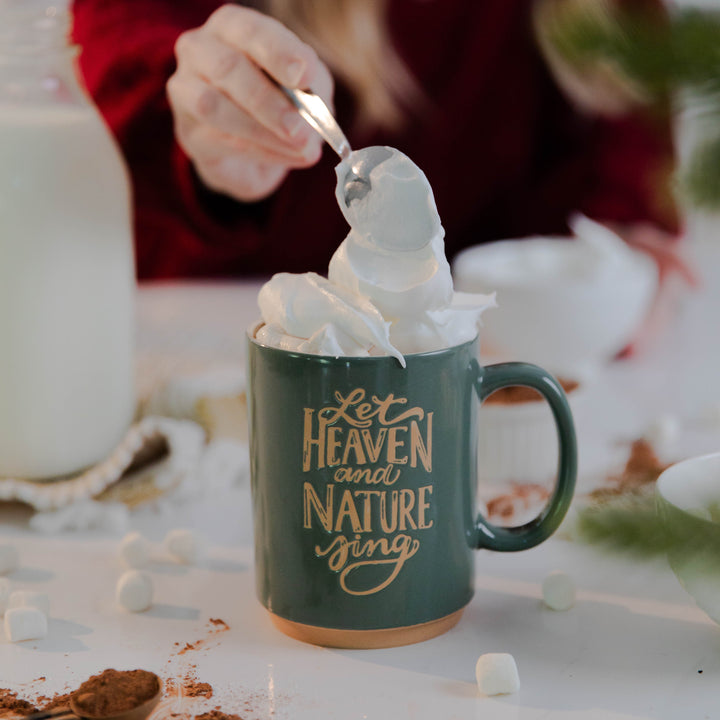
(634, 645)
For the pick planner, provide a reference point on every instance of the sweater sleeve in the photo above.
(633, 161)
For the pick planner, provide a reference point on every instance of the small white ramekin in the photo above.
(517, 442)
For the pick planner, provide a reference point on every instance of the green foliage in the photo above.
(702, 177)
(633, 524)
(629, 524)
(677, 56)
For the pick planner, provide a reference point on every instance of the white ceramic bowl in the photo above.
(688, 496)
(561, 303)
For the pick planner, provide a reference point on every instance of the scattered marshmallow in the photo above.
(135, 550)
(558, 591)
(185, 546)
(4, 594)
(25, 623)
(9, 558)
(663, 432)
(134, 591)
(30, 598)
(497, 674)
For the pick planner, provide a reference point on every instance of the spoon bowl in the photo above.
(357, 180)
(137, 713)
(74, 709)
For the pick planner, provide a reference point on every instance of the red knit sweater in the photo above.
(505, 153)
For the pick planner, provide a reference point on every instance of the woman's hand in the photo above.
(238, 128)
(666, 250)
(663, 247)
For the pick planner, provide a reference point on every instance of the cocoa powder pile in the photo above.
(114, 691)
(11, 704)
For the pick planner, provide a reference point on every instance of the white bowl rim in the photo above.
(638, 263)
(674, 492)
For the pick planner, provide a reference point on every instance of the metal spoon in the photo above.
(317, 114)
(72, 710)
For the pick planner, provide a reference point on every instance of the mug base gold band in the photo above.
(366, 639)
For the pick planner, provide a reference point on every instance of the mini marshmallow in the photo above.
(30, 598)
(185, 546)
(497, 674)
(558, 591)
(8, 558)
(25, 623)
(134, 591)
(4, 594)
(135, 550)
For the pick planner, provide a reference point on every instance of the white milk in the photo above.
(66, 291)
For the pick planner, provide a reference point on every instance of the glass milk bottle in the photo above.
(66, 259)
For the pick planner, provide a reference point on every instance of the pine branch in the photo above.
(680, 52)
(631, 524)
(666, 57)
(701, 179)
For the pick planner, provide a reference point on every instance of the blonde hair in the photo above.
(352, 37)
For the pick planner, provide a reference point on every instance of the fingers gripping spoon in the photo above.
(317, 114)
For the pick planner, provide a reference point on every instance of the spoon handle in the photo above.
(59, 712)
(317, 114)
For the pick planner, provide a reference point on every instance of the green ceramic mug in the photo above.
(364, 489)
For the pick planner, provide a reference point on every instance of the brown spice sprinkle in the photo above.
(46, 703)
(11, 704)
(521, 496)
(216, 626)
(641, 471)
(192, 688)
(517, 394)
(189, 686)
(643, 460)
(217, 715)
(114, 691)
(189, 646)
